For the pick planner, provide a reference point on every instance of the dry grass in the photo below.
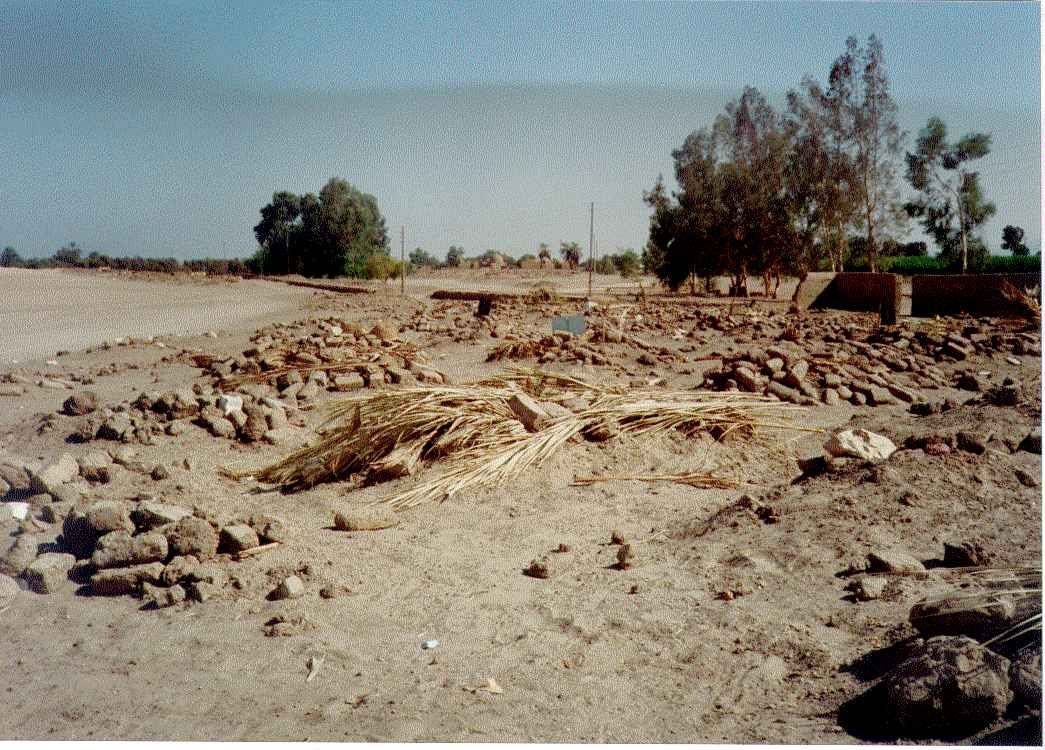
(541, 293)
(472, 429)
(1022, 300)
(999, 606)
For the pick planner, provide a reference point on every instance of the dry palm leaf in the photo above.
(472, 428)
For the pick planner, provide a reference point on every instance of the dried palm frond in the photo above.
(998, 606)
(693, 479)
(473, 428)
(1026, 303)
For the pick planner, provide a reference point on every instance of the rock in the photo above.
(14, 475)
(1025, 677)
(964, 555)
(58, 472)
(291, 587)
(192, 536)
(287, 437)
(49, 573)
(80, 404)
(844, 392)
(268, 529)
(385, 332)
(952, 688)
(309, 391)
(969, 382)
(349, 382)
(830, 397)
(216, 423)
(158, 596)
(893, 561)
(878, 396)
(211, 574)
(180, 568)
(229, 403)
(746, 379)
(78, 536)
(96, 466)
(796, 375)
(238, 538)
(55, 512)
(116, 427)
(860, 443)
(200, 591)
(18, 555)
(118, 549)
(109, 515)
(971, 442)
(955, 351)
(868, 588)
(364, 521)
(254, 427)
(528, 411)
(119, 581)
(784, 393)
(1032, 443)
(151, 515)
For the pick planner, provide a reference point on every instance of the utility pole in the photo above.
(591, 247)
(402, 262)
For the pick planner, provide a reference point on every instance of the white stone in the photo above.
(229, 403)
(63, 469)
(860, 443)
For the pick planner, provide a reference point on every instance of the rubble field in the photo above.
(794, 586)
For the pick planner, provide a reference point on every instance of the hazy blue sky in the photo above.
(161, 128)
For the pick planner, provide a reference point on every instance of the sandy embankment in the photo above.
(42, 312)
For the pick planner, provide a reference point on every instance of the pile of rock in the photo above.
(161, 552)
(791, 374)
(560, 346)
(306, 358)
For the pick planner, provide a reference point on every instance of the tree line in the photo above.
(762, 192)
(71, 255)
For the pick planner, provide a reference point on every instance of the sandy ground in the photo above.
(590, 654)
(42, 312)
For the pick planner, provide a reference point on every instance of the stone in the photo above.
(192, 536)
(860, 443)
(116, 427)
(385, 332)
(1031, 443)
(180, 568)
(364, 520)
(254, 426)
(159, 472)
(211, 574)
(964, 555)
(200, 591)
(55, 512)
(291, 587)
(1025, 677)
(9, 589)
(268, 529)
(80, 404)
(49, 573)
(784, 393)
(118, 549)
(229, 403)
(14, 475)
(237, 538)
(96, 466)
(55, 473)
(971, 442)
(151, 515)
(78, 536)
(349, 382)
(119, 581)
(528, 411)
(893, 561)
(159, 596)
(844, 392)
(110, 515)
(869, 588)
(953, 687)
(287, 437)
(830, 397)
(216, 422)
(878, 396)
(969, 382)
(18, 554)
(746, 379)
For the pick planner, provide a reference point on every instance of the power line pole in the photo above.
(402, 261)
(591, 247)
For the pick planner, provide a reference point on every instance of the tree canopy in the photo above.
(1012, 240)
(950, 203)
(335, 233)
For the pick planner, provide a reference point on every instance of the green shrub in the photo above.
(914, 265)
(1013, 264)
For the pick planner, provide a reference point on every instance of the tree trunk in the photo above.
(872, 251)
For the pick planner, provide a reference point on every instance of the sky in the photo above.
(161, 128)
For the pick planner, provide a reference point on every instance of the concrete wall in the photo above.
(977, 294)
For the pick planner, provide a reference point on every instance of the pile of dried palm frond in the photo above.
(391, 433)
(541, 292)
(1000, 607)
(1023, 301)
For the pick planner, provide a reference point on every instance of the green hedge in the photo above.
(929, 264)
